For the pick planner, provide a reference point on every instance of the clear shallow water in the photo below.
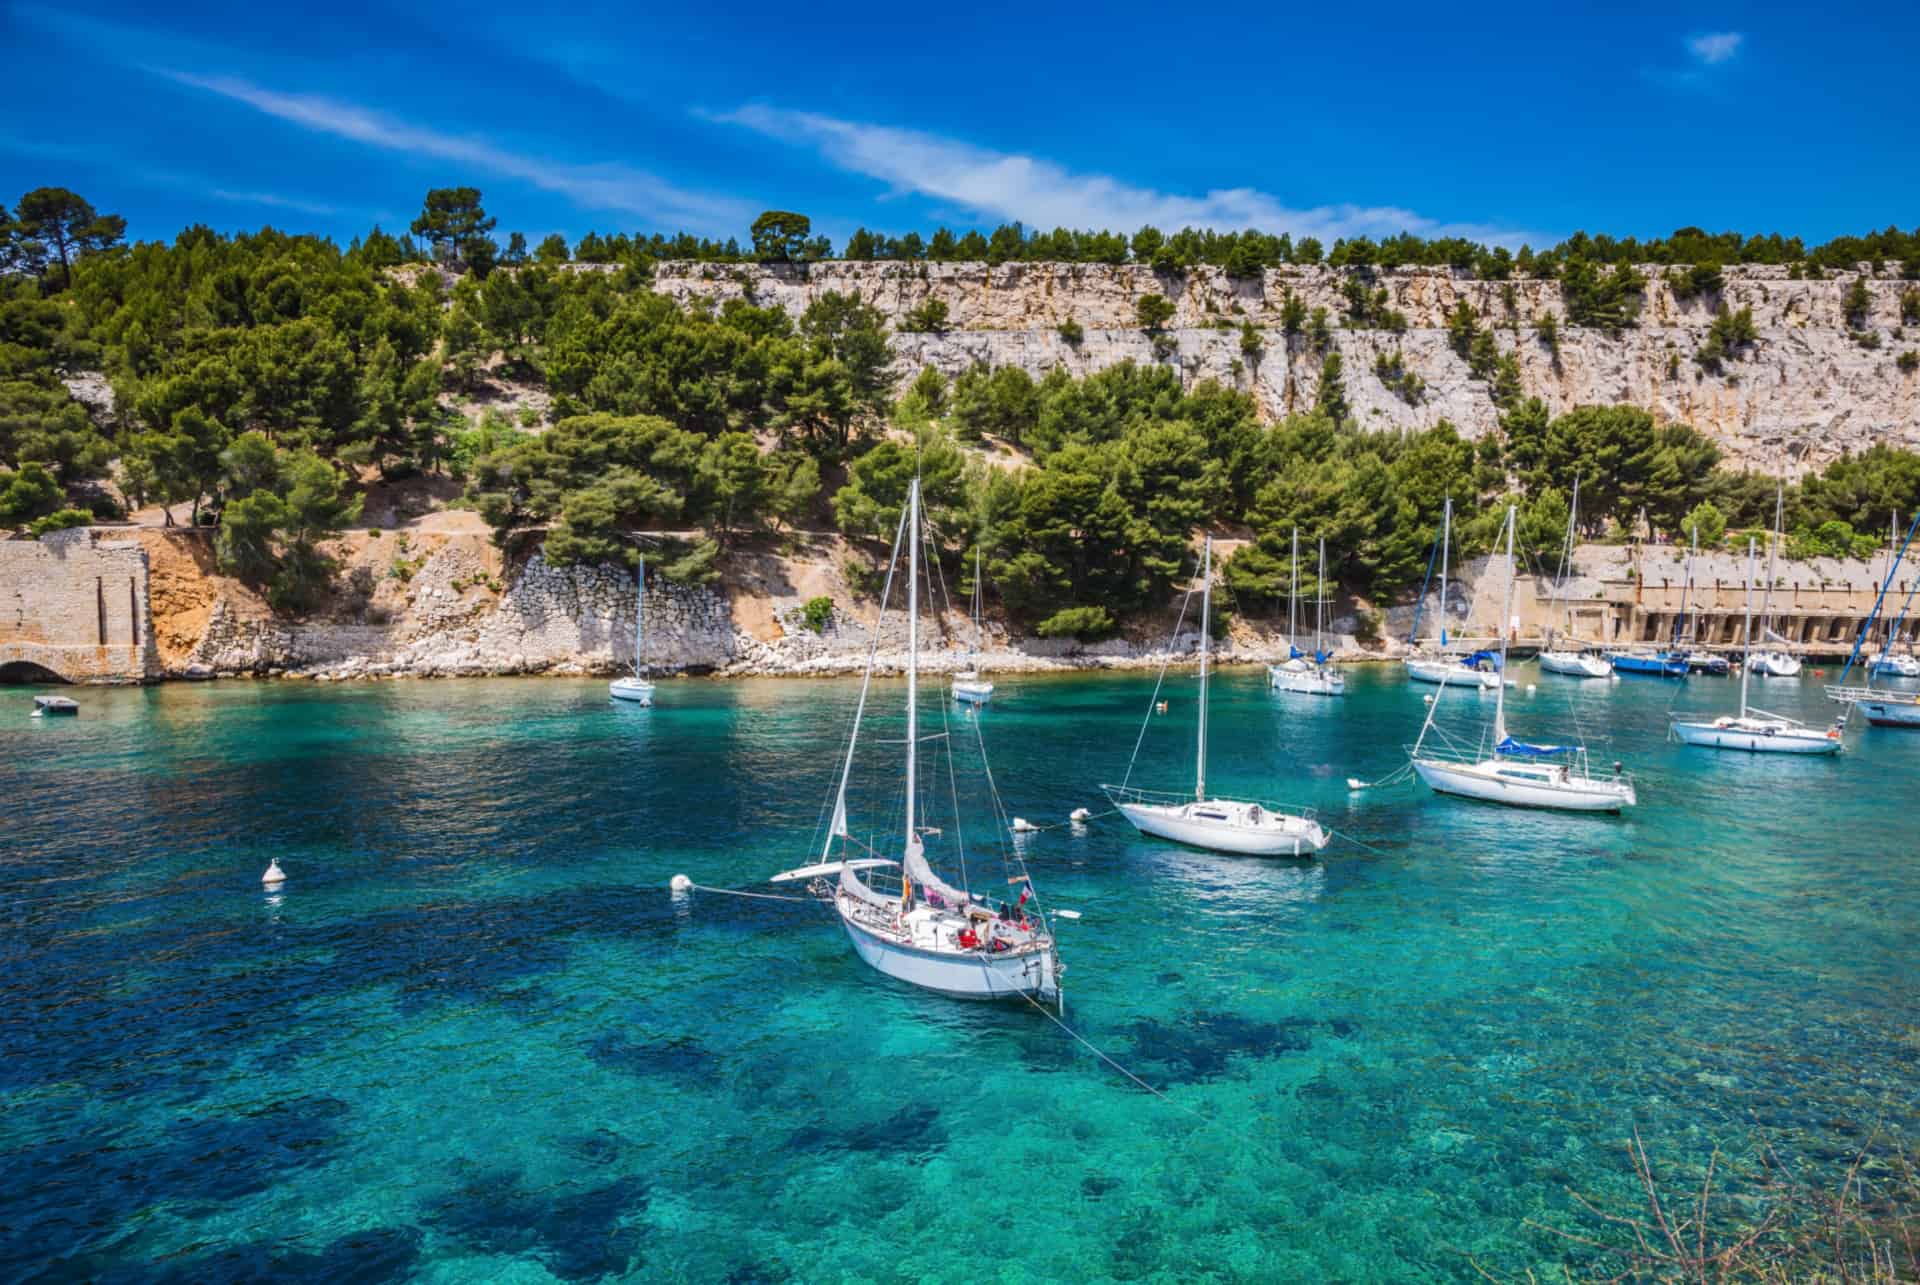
(476, 1037)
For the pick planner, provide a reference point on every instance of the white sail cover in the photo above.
(932, 887)
(856, 887)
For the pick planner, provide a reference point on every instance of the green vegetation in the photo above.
(1731, 335)
(929, 318)
(1071, 332)
(262, 381)
(1153, 311)
(817, 613)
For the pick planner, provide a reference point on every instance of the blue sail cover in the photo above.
(1491, 657)
(1322, 657)
(1523, 750)
(1294, 653)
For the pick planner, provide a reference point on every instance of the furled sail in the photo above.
(933, 888)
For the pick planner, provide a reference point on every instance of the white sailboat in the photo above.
(1773, 662)
(1556, 658)
(1755, 729)
(1474, 672)
(1219, 824)
(969, 688)
(636, 687)
(1299, 672)
(1883, 707)
(927, 931)
(1517, 773)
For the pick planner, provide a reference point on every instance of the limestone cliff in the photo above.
(1803, 394)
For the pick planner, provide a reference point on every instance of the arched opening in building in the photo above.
(26, 672)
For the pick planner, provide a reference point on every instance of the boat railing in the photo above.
(1848, 695)
(1119, 794)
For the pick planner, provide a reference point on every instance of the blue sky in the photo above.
(1518, 123)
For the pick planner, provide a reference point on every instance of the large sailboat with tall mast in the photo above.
(969, 688)
(636, 687)
(1301, 672)
(1756, 729)
(1557, 657)
(1476, 671)
(1518, 773)
(1210, 821)
(919, 927)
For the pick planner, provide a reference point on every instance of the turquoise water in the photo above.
(476, 1038)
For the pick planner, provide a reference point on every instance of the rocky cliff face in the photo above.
(1804, 393)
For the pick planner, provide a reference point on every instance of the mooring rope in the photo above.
(739, 892)
(1094, 1049)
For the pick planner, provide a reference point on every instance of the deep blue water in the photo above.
(475, 1037)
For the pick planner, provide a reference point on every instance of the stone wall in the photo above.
(1804, 393)
(74, 603)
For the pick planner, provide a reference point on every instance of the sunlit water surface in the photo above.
(476, 1037)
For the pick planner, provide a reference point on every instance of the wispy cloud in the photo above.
(1715, 47)
(607, 186)
(1705, 66)
(1042, 193)
(272, 199)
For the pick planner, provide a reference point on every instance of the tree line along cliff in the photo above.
(1076, 422)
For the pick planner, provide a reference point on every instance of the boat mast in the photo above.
(913, 659)
(1686, 590)
(976, 601)
(1506, 614)
(1206, 619)
(1446, 534)
(1746, 634)
(1560, 574)
(1319, 598)
(639, 615)
(1773, 551)
(1293, 596)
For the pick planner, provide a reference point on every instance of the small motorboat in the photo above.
(51, 706)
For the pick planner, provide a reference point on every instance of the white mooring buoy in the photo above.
(1078, 814)
(680, 884)
(274, 876)
(1355, 783)
(1023, 826)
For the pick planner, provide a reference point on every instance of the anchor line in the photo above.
(758, 896)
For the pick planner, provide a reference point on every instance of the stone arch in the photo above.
(27, 671)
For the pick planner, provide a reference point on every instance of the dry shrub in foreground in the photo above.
(1778, 1228)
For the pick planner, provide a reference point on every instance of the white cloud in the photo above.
(1715, 47)
(1043, 194)
(271, 199)
(607, 186)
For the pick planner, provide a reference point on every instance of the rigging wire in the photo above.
(1153, 702)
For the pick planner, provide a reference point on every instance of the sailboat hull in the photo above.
(636, 690)
(1031, 971)
(1312, 682)
(1286, 836)
(1779, 740)
(1891, 713)
(972, 693)
(1663, 665)
(1559, 792)
(1575, 665)
(1774, 664)
(1451, 673)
